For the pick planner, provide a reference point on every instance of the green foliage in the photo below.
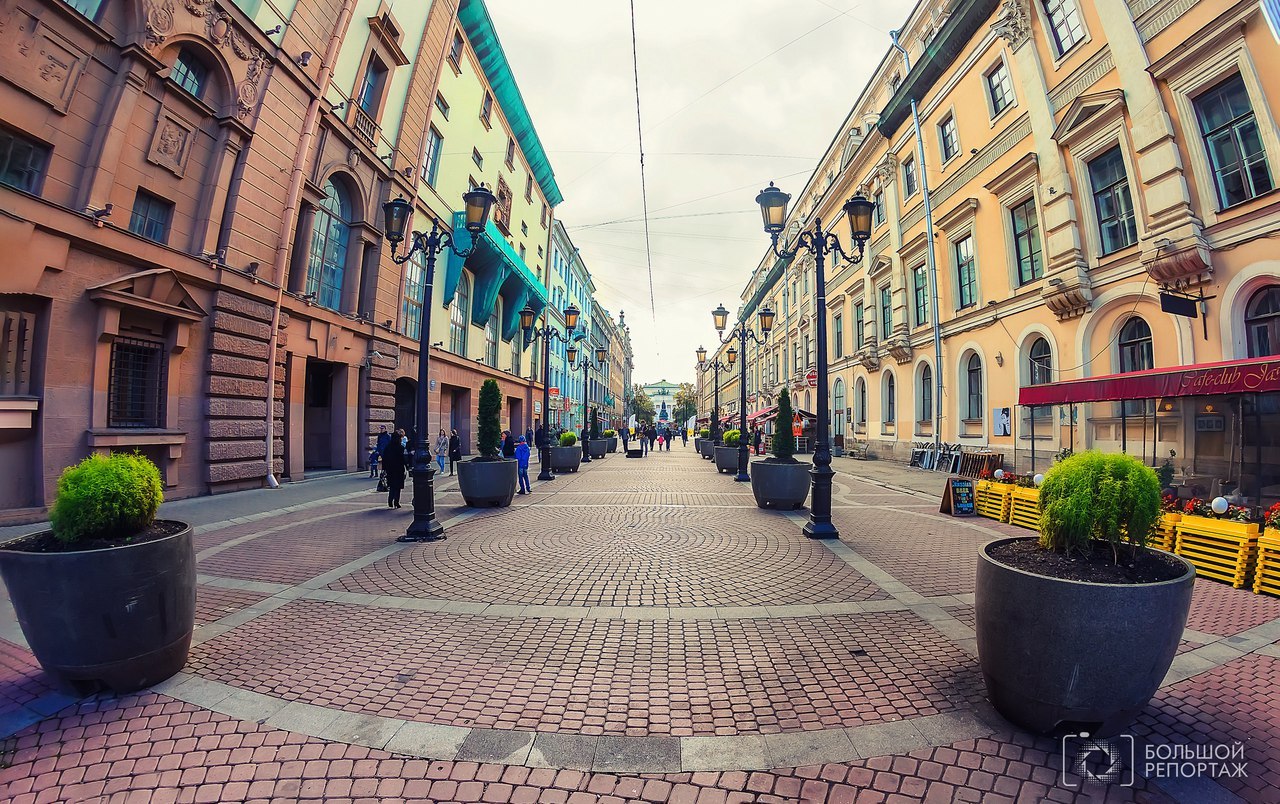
(686, 402)
(1062, 454)
(106, 497)
(568, 439)
(1165, 472)
(732, 437)
(704, 432)
(784, 443)
(1094, 495)
(489, 432)
(642, 405)
(610, 433)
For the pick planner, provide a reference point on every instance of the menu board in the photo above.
(957, 497)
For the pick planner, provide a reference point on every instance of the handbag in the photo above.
(382, 481)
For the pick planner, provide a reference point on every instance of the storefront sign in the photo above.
(1257, 375)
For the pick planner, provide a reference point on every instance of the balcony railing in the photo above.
(365, 125)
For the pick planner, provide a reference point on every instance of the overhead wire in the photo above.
(644, 195)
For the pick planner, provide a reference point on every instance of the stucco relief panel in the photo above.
(205, 19)
(37, 59)
(171, 142)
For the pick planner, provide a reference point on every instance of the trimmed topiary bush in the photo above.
(1095, 495)
(489, 431)
(610, 433)
(731, 438)
(106, 497)
(784, 443)
(568, 440)
(705, 432)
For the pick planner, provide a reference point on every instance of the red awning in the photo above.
(1257, 375)
(762, 413)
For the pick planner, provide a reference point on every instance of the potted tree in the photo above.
(781, 481)
(611, 436)
(597, 446)
(107, 597)
(727, 454)
(568, 456)
(489, 479)
(706, 447)
(1076, 629)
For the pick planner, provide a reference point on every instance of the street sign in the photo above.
(811, 378)
(553, 391)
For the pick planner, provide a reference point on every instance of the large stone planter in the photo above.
(727, 459)
(697, 444)
(613, 444)
(707, 448)
(121, 617)
(565, 459)
(487, 483)
(597, 447)
(780, 485)
(1084, 656)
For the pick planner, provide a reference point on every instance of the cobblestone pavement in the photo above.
(635, 632)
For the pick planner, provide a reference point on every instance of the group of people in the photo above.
(392, 456)
(652, 437)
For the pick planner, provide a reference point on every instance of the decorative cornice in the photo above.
(1086, 76)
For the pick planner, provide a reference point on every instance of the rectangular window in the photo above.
(135, 396)
(837, 326)
(511, 153)
(431, 164)
(878, 212)
(909, 181)
(455, 51)
(442, 105)
(544, 216)
(859, 325)
(528, 187)
(189, 73)
(522, 252)
(414, 285)
(22, 162)
(89, 8)
(795, 358)
(920, 292)
(477, 158)
(486, 108)
(999, 89)
(948, 140)
(1064, 24)
(1231, 137)
(1026, 241)
(371, 87)
(1112, 201)
(886, 313)
(151, 217)
(966, 276)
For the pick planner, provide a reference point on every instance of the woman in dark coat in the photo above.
(455, 449)
(393, 464)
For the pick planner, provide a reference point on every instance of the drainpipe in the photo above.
(287, 221)
(932, 260)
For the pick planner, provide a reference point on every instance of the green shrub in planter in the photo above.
(610, 433)
(1095, 495)
(489, 431)
(731, 437)
(784, 443)
(568, 440)
(705, 432)
(106, 497)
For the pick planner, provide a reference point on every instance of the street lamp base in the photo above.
(426, 529)
(820, 530)
(406, 539)
(545, 475)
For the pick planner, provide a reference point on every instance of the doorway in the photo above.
(406, 404)
(317, 422)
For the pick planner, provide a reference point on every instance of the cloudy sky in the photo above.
(733, 94)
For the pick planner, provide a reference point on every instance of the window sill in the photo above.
(1000, 114)
(135, 436)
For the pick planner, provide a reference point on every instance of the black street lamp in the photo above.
(585, 365)
(547, 334)
(715, 367)
(819, 242)
(742, 331)
(397, 216)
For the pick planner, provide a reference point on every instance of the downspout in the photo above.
(287, 221)
(932, 266)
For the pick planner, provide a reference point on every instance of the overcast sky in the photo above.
(733, 94)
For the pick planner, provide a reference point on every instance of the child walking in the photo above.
(522, 465)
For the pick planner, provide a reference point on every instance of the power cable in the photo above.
(644, 195)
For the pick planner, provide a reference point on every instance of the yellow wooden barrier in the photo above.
(1024, 508)
(1219, 548)
(1164, 536)
(992, 499)
(1267, 577)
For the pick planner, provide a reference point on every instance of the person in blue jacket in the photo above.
(522, 464)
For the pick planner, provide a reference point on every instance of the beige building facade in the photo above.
(1081, 158)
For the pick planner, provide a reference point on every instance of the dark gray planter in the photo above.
(727, 459)
(613, 443)
(487, 483)
(566, 459)
(784, 486)
(697, 444)
(120, 617)
(707, 448)
(597, 447)
(1083, 656)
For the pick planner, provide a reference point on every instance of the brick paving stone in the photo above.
(214, 603)
(1221, 610)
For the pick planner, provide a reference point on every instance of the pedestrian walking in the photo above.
(442, 448)
(384, 438)
(528, 437)
(455, 450)
(684, 436)
(508, 444)
(522, 465)
(756, 437)
(393, 464)
(373, 461)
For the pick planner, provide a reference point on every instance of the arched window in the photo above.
(890, 408)
(459, 309)
(414, 286)
(925, 394)
(1136, 355)
(860, 403)
(1262, 322)
(973, 382)
(330, 237)
(839, 411)
(190, 73)
(1039, 363)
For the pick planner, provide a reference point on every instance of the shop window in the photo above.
(151, 217)
(22, 161)
(1233, 142)
(1112, 201)
(136, 389)
(330, 238)
(1262, 322)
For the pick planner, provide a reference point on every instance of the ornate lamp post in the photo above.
(397, 215)
(715, 367)
(742, 332)
(547, 334)
(585, 365)
(819, 242)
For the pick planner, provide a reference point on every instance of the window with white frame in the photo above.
(414, 286)
(837, 327)
(925, 394)
(886, 313)
(459, 309)
(973, 388)
(966, 274)
(1262, 322)
(859, 325)
(999, 89)
(1112, 201)
(1026, 241)
(920, 292)
(431, 162)
(889, 406)
(910, 181)
(1233, 142)
(1065, 27)
(948, 139)
(860, 402)
(877, 214)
